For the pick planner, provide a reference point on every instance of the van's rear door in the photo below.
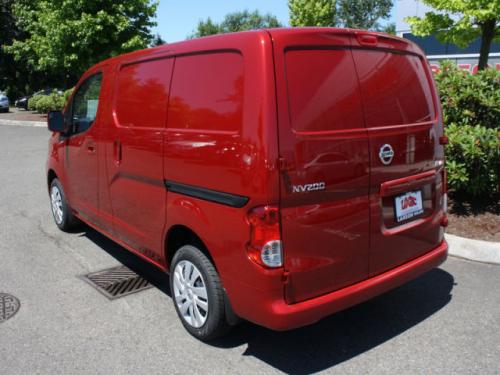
(402, 121)
(324, 163)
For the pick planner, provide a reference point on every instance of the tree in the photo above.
(66, 37)
(237, 21)
(312, 12)
(460, 22)
(157, 41)
(12, 77)
(206, 28)
(362, 14)
(390, 28)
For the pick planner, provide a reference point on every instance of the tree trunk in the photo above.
(487, 35)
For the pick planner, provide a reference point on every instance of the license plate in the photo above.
(408, 205)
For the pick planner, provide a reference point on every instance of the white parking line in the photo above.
(39, 124)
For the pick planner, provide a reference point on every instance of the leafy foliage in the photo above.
(157, 41)
(67, 94)
(362, 14)
(15, 78)
(469, 99)
(471, 114)
(473, 159)
(66, 37)
(52, 102)
(312, 12)
(390, 28)
(460, 22)
(237, 21)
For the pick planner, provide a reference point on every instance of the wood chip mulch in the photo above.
(474, 218)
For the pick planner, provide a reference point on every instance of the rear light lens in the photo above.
(265, 247)
(444, 202)
(444, 221)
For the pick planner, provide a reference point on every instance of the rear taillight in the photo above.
(443, 140)
(444, 199)
(445, 190)
(264, 247)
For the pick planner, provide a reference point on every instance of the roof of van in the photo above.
(212, 42)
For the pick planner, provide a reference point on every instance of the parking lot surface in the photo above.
(17, 114)
(446, 322)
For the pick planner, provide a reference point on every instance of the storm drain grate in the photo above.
(9, 305)
(117, 282)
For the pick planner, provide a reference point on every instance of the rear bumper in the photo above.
(281, 316)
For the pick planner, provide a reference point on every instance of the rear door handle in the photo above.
(117, 152)
(91, 145)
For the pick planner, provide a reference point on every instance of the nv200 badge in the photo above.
(308, 187)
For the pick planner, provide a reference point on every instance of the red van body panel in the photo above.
(288, 118)
(322, 141)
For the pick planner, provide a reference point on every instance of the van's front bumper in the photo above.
(280, 316)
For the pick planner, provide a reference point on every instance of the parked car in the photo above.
(4, 103)
(204, 158)
(23, 101)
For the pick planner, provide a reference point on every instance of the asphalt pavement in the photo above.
(446, 322)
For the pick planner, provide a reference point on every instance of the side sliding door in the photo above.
(134, 159)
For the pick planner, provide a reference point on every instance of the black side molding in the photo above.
(220, 197)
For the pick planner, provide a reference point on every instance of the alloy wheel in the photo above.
(57, 204)
(190, 293)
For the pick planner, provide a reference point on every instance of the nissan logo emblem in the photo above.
(386, 154)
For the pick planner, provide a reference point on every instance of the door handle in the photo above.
(117, 152)
(91, 148)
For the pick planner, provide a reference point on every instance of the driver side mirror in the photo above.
(55, 122)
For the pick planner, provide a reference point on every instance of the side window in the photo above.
(142, 97)
(85, 102)
(207, 92)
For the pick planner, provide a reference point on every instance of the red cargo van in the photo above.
(277, 175)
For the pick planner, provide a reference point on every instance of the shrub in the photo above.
(46, 103)
(67, 94)
(473, 159)
(471, 115)
(32, 102)
(52, 102)
(469, 99)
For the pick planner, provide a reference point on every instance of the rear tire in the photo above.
(197, 293)
(61, 211)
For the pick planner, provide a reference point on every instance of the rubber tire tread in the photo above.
(216, 324)
(69, 221)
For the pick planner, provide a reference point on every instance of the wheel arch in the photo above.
(51, 175)
(179, 235)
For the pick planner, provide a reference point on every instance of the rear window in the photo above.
(394, 88)
(322, 90)
(207, 92)
(142, 97)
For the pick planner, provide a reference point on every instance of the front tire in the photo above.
(61, 211)
(197, 292)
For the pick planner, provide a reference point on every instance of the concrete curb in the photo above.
(476, 250)
(38, 124)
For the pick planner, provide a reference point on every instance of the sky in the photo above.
(178, 18)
